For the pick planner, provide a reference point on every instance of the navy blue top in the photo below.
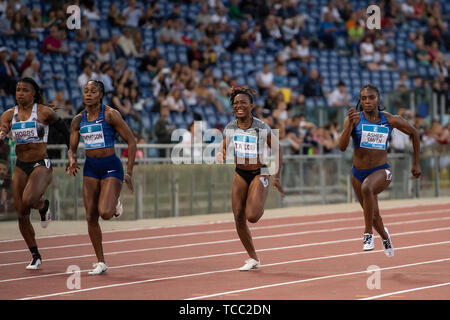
(98, 133)
(371, 135)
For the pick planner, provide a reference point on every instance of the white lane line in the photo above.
(235, 269)
(234, 230)
(254, 238)
(406, 291)
(314, 279)
(243, 252)
(386, 214)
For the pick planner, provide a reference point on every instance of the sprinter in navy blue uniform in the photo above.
(370, 129)
(103, 172)
(29, 123)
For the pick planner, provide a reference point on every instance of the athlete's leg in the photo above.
(256, 198)
(238, 201)
(109, 193)
(91, 192)
(374, 184)
(37, 184)
(377, 222)
(23, 212)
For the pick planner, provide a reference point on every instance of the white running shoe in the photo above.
(250, 264)
(119, 209)
(35, 263)
(46, 216)
(99, 268)
(368, 242)
(387, 245)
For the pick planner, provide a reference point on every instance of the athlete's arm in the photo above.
(73, 145)
(350, 122)
(5, 123)
(404, 126)
(115, 120)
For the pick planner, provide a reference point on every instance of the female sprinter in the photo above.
(29, 123)
(250, 185)
(102, 171)
(370, 130)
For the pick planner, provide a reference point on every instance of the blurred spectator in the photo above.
(115, 19)
(203, 17)
(328, 31)
(174, 101)
(170, 33)
(383, 60)
(89, 56)
(264, 79)
(149, 61)
(116, 50)
(126, 43)
(6, 21)
(7, 81)
(339, 97)
(313, 87)
(13, 62)
(404, 80)
(163, 130)
(271, 28)
(240, 43)
(280, 113)
(33, 72)
(290, 30)
(410, 45)
(107, 77)
(87, 75)
(367, 53)
(29, 57)
(194, 53)
(104, 52)
(234, 11)
(86, 32)
(53, 42)
(132, 13)
(20, 25)
(223, 98)
(220, 21)
(420, 53)
(280, 79)
(354, 35)
(152, 17)
(89, 10)
(35, 20)
(407, 9)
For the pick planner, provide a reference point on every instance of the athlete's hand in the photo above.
(416, 171)
(353, 116)
(220, 157)
(72, 166)
(127, 180)
(277, 185)
(3, 134)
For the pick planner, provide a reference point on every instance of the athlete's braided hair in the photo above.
(100, 86)
(374, 88)
(38, 94)
(234, 91)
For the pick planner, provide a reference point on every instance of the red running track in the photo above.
(302, 257)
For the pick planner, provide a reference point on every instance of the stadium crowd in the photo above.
(158, 88)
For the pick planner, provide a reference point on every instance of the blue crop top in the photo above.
(371, 135)
(98, 133)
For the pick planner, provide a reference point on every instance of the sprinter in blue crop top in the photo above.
(370, 130)
(29, 123)
(103, 171)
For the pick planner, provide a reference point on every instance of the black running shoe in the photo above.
(45, 214)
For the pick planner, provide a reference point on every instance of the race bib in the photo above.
(374, 136)
(245, 146)
(24, 132)
(93, 136)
